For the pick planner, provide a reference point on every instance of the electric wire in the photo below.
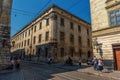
(86, 16)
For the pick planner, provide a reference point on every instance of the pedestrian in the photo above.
(100, 64)
(49, 60)
(79, 62)
(17, 63)
(95, 62)
(64, 60)
(70, 62)
(12, 63)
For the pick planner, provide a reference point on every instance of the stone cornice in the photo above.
(107, 28)
(108, 1)
(106, 31)
(105, 34)
(112, 5)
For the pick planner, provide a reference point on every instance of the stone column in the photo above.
(5, 10)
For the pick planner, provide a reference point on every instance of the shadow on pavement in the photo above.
(34, 71)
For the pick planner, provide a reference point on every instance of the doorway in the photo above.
(116, 52)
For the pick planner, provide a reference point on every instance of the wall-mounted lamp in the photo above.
(96, 45)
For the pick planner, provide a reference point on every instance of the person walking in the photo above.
(100, 64)
(49, 60)
(70, 62)
(12, 63)
(95, 61)
(79, 62)
(17, 63)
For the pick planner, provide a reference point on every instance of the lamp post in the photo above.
(98, 47)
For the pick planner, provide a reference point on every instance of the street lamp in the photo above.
(99, 47)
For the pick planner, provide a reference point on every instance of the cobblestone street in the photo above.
(47, 72)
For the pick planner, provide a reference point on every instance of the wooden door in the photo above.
(117, 54)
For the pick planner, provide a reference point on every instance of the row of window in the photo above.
(33, 29)
(27, 42)
(72, 51)
(62, 38)
(27, 33)
(62, 52)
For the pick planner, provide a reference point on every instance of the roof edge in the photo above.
(52, 6)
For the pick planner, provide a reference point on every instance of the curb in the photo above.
(100, 74)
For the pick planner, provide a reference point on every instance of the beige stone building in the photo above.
(105, 16)
(55, 33)
(5, 10)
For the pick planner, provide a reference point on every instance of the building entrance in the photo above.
(116, 49)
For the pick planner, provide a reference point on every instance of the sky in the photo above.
(24, 11)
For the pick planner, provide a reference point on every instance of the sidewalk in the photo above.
(105, 73)
(89, 70)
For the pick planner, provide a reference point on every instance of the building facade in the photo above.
(105, 16)
(55, 33)
(5, 10)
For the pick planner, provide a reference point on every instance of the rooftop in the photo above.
(52, 6)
